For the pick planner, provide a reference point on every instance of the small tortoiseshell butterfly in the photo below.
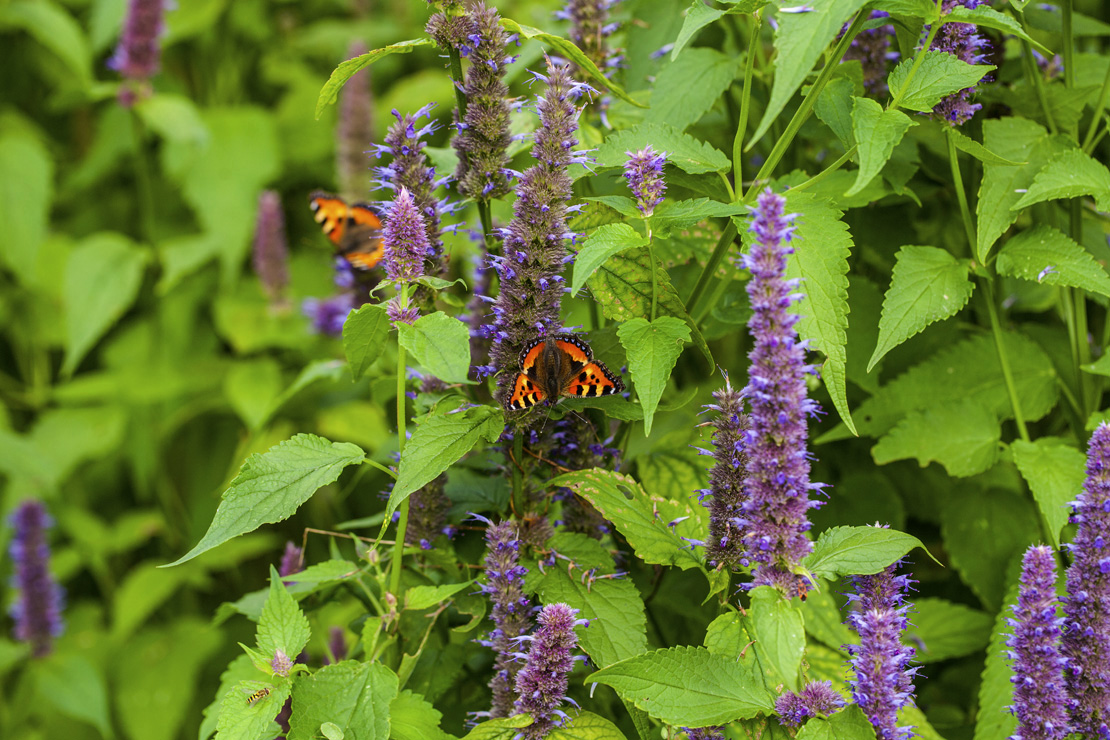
(560, 365)
(355, 230)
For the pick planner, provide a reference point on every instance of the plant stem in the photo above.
(1037, 81)
(143, 180)
(403, 521)
(1099, 107)
(827, 171)
(745, 108)
(518, 473)
(652, 267)
(1003, 359)
(961, 196)
(715, 258)
(455, 62)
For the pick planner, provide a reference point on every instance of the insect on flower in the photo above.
(258, 696)
(560, 365)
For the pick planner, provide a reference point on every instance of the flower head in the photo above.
(38, 608)
(271, 254)
(404, 239)
(816, 699)
(329, 314)
(292, 561)
(713, 732)
(590, 29)
(872, 48)
(963, 42)
(280, 663)
(354, 129)
(726, 478)
(644, 172)
(511, 612)
(541, 686)
(139, 53)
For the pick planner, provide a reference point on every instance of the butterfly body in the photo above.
(355, 229)
(560, 365)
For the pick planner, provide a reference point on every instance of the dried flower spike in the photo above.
(38, 608)
(271, 253)
(541, 686)
(727, 479)
(511, 611)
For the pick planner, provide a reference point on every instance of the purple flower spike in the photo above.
(961, 41)
(883, 681)
(337, 645)
(280, 663)
(1040, 700)
(1086, 640)
(872, 48)
(541, 685)
(292, 561)
(644, 172)
(816, 699)
(511, 612)
(404, 239)
(778, 482)
(713, 732)
(139, 53)
(328, 315)
(726, 479)
(590, 29)
(355, 128)
(37, 610)
(271, 253)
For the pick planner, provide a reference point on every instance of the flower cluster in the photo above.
(1086, 640)
(871, 48)
(329, 314)
(511, 611)
(37, 610)
(292, 561)
(726, 479)
(354, 128)
(713, 732)
(778, 486)
(590, 30)
(816, 699)
(405, 244)
(139, 54)
(271, 253)
(882, 680)
(541, 686)
(1040, 699)
(962, 41)
(644, 173)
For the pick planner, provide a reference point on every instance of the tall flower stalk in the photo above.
(511, 610)
(138, 56)
(37, 609)
(644, 173)
(590, 29)
(271, 252)
(726, 479)
(355, 129)
(541, 685)
(963, 41)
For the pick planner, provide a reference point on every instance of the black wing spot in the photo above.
(582, 390)
(583, 377)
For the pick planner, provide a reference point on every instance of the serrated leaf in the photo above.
(1047, 255)
(412, 717)
(329, 93)
(877, 132)
(271, 486)
(440, 344)
(977, 150)
(437, 443)
(961, 436)
(652, 349)
(848, 724)
(988, 17)
(1055, 473)
(586, 726)
(928, 285)
(683, 151)
(599, 246)
(675, 216)
(281, 626)
(939, 74)
(687, 88)
(780, 636)
(1069, 175)
(671, 686)
(244, 719)
(834, 108)
(942, 630)
(844, 551)
(698, 16)
(355, 696)
(994, 718)
(364, 333)
(634, 518)
(504, 728)
(423, 597)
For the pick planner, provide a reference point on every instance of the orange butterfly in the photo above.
(355, 230)
(560, 365)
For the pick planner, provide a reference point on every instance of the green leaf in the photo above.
(823, 619)
(329, 93)
(1047, 255)
(943, 630)
(437, 443)
(686, 89)
(354, 695)
(834, 107)
(422, 597)
(698, 16)
(877, 132)
(633, 517)
(173, 117)
(26, 189)
(440, 344)
(671, 685)
(939, 75)
(996, 694)
(271, 486)
(977, 150)
(928, 285)
(75, 688)
(243, 719)
(848, 724)
(412, 717)
(652, 349)
(962, 436)
(988, 17)
(586, 726)
(675, 216)
(1055, 473)
(844, 551)
(102, 280)
(683, 151)
(1069, 175)
(364, 333)
(598, 247)
(504, 728)
(281, 626)
(779, 634)
(800, 40)
(50, 25)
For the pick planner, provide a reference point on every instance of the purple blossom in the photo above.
(1086, 641)
(271, 253)
(590, 29)
(713, 732)
(726, 479)
(280, 663)
(337, 645)
(329, 314)
(871, 48)
(399, 314)
(644, 173)
(816, 699)
(138, 56)
(292, 561)
(963, 42)
(355, 127)
(541, 686)
(37, 610)
(511, 611)
(404, 239)
(778, 484)
(882, 680)
(1040, 698)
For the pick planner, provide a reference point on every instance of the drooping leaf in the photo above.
(652, 349)
(364, 333)
(355, 696)
(779, 634)
(598, 247)
(834, 107)
(440, 344)
(329, 93)
(683, 151)
(977, 150)
(843, 551)
(1069, 175)
(1055, 473)
(876, 132)
(939, 74)
(988, 17)
(688, 87)
(1047, 255)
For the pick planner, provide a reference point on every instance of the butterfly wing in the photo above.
(593, 380)
(354, 229)
(331, 212)
(526, 393)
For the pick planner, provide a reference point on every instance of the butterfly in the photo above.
(560, 365)
(355, 229)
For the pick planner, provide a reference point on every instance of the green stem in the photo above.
(745, 108)
(1099, 107)
(961, 195)
(827, 171)
(652, 266)
(711, 266)
(1003, 359)
(487, 222)
(391, 473)
(403, 521)
(455, 64)
(143, 180)
(1037, 80)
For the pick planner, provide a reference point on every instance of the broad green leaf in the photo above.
(728, 635)
(412, 717)
(843, 551)
(248, 709)
(800, 39)
(823, 619)
(988, 17)
(355, 696)
(1055, 473)
(102, 280)
(504, 728)
(996, 694)
(847, 724)
(364, 333)
(586, 726)
(977, 150)
(173, 117)
(327, 571)
(877, 132)
(675, 216)
(687, 88)
(633, 517)
(251, 387)
(281, 626)
(271, 486)
(329, 93)
(698, 16)
(940, 74)
(622, 204)
(75, 688)
(423, 597)
(440, 344)
(52, 26)
(652, 349)
(924, 9)
(928, 285)
(780, 636)
(683, 151)
(26, 189)
(834, 107)
(963, 437)
(942, 629)
(437, 443)
(671, 685)
(1047, 255)
(1069, 175)
(598, 247)
(240, 669)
